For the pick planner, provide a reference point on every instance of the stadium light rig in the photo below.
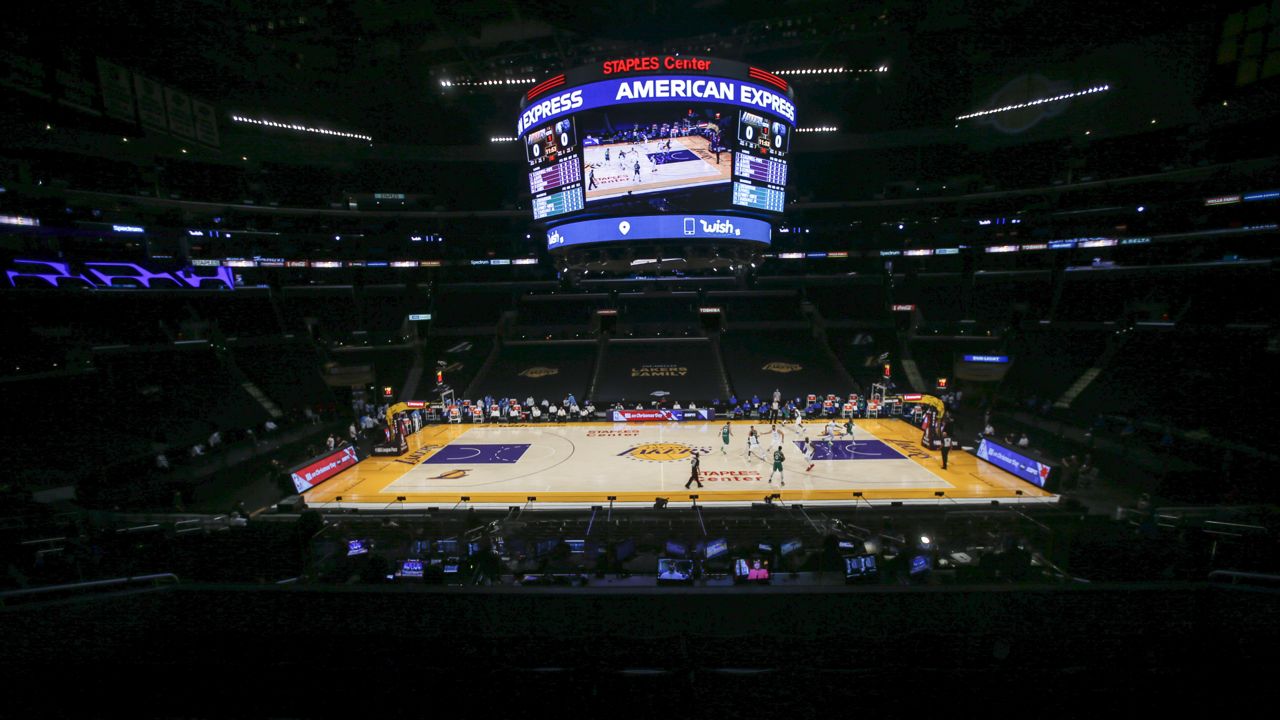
(300, 128)
(501, 139)
(487, 83)
(820, 128)
(1033, 103)
(831, 70)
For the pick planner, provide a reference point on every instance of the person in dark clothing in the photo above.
(946, 450)
(694, 464)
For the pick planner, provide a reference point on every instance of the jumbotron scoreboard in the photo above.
(658, 148)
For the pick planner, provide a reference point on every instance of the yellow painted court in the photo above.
(583, 464)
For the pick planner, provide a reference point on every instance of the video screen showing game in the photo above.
(631, 151)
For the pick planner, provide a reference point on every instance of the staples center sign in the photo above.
(664, 88)
(650, 64)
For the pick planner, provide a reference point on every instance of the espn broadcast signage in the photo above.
(659, 227)
(317, 471)
(673, 88)
(661, 415)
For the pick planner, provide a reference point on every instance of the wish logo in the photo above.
(662, 451)
(554, 238)
(451, 475)
(719, 227)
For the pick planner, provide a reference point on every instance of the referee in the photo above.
(693, 471)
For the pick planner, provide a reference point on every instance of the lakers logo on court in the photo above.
(539, 372)
(662, 451)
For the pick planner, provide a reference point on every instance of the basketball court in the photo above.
(688, 162)
(584, 464)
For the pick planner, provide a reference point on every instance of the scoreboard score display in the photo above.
(555, 170)
(631, 137)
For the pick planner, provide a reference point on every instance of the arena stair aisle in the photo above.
(1086, 379)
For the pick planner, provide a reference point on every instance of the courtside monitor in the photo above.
(676, 549)
(673, 571)
(921, 564)
(410, 569)
(716, 548)
(358, 547)
(751, 570)
(857, 567)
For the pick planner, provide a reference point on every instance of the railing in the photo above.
(1235, 577)
(58, 592)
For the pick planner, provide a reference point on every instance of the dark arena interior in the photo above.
(389, 358)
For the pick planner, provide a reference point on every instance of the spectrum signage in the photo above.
(659, 227)
(675, 88)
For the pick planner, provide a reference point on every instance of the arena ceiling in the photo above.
(376, 66)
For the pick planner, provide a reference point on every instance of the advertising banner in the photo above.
(658, 227)
(661, 415)
(1012, 461)
(327, 466)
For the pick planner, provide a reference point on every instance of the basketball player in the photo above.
(848, 427)
(606, 154)
(829, 434)
(725, 433)
(591, 179)
(637, 169)
(799, 417)
(806, 447)
(694, 464)
(753, 443)
(778, 459)
(775, 437)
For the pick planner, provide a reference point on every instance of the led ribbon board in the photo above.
(658, 227)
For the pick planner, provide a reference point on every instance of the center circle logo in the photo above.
(662, 451)
(539, 372)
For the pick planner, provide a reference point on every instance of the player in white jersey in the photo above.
(829, 434)
(806, 447)
(775, 437)
(799, 416)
